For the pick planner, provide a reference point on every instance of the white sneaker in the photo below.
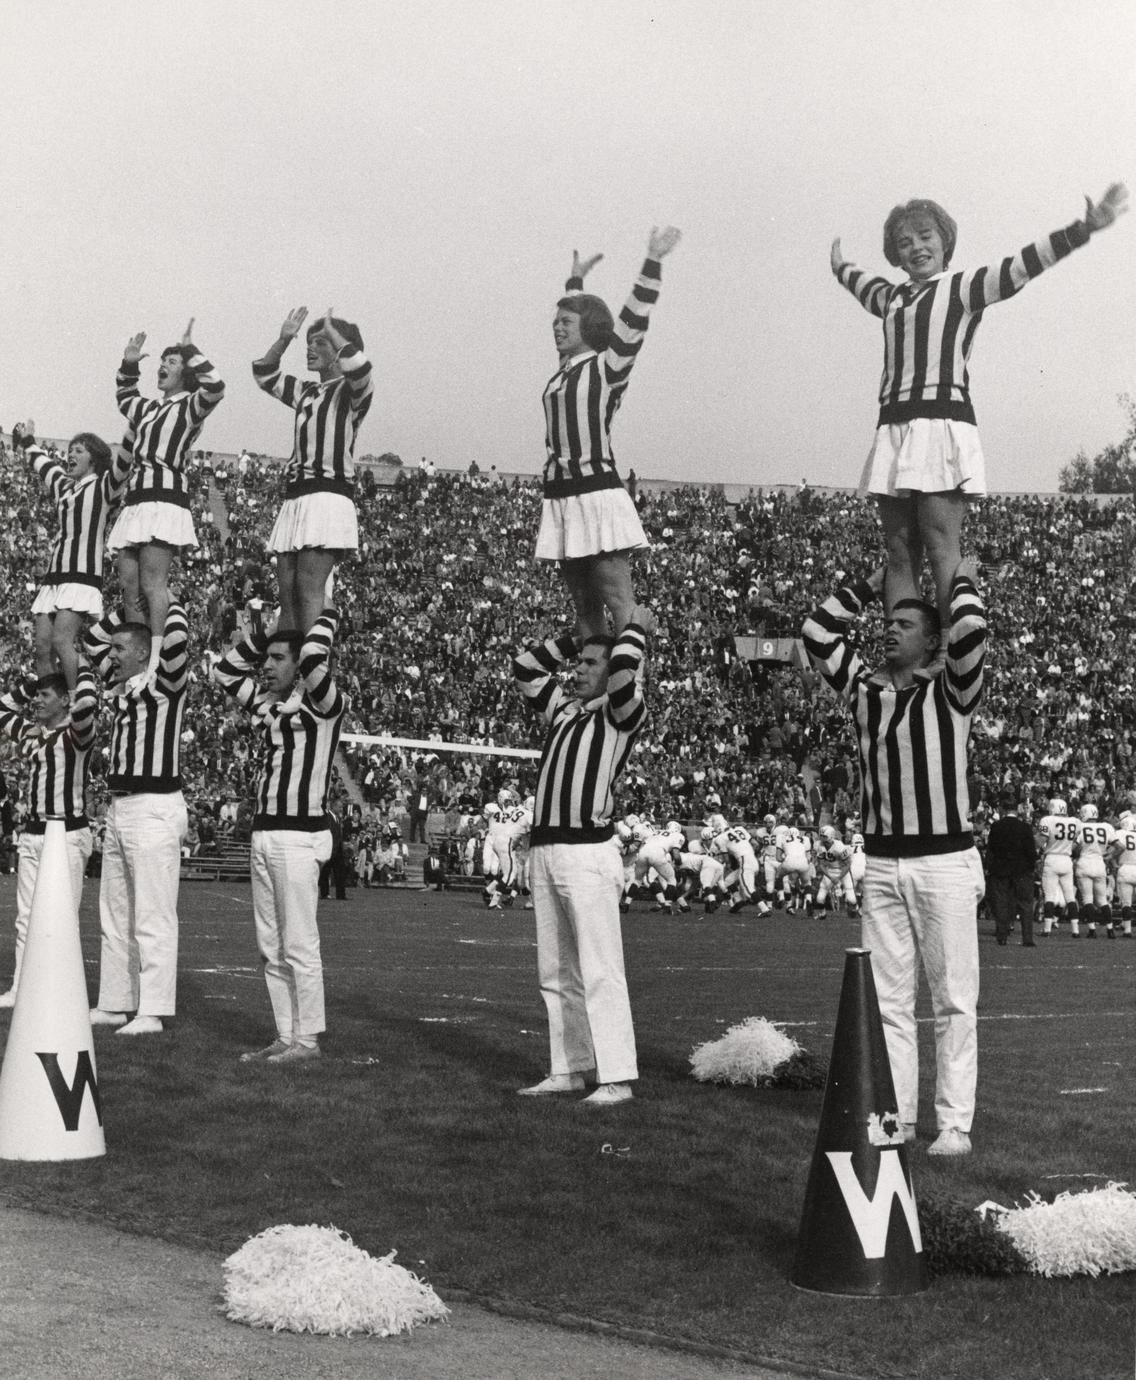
(7, 998)
(255, 1055)
(952, 1141)
(554, 1083)
(610, 1094)
(142, 1025)
(107, 1017)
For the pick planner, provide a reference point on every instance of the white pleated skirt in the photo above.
(588, 524)
(323, 521)
(141, 524)
(71, 597)
(930, 455)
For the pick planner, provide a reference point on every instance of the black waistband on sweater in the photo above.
(143, 785)
(71, 822)
(552, 833)
(177, 497)
(311, 824)
(299, 488)
(569, 486)
(948, 409)
(916, 845)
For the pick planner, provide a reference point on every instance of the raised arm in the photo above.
(269, 363)
(84, 708)
(825, 632)
(966, 648)
(210, 387)
(625, 704)
(322, 693)
(130, 401)
(870, 291)
(983, 287)
(355, 365)
(173, 663)
(238, 670)
(631, 324)
(535, 669)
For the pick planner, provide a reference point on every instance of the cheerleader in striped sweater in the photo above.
(926, 460)
(317, 525)
(588, 522)
(85, 489)
(155, 521)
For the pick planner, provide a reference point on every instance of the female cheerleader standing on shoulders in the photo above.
(155, 521)
(85, 489)
(588, 522)
(317, 525)
(926, 460)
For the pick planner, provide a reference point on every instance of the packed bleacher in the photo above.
(446, 587)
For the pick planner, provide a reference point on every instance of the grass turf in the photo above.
(677, 1213)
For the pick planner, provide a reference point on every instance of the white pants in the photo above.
(1057, 880)
(579, 952)
(28, 854)
(285, 892)
(926, 907)
(138, 903)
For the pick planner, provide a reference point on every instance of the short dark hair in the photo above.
(294, 641)
(185, 353)
(927, 210)
(932, 623)
(54, 680)
(98, 448)
(347, 329)
(596, 320)
(138, 632)
(602, 640)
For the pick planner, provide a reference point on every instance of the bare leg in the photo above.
(598, 584)
(940, 525)
(903, 539)
(591, 618)
(131, 587)
(611, 571)
(154, 561)
(66, 629)
(286, 590)
(44, 654)
(313, 567)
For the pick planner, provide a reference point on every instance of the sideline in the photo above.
(83, 1301)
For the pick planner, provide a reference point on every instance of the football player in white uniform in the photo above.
(833, 861)
(796, 868)
(1058, 836)
(1123, 856)
(1096, 837)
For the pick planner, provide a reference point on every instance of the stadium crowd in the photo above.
(445, 588)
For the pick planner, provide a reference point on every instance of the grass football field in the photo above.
(675, 1215)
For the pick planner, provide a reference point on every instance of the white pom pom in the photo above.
(1078, 1233)
(747, 1053)
(314, 1279)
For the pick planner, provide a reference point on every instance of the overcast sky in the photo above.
(427, 167)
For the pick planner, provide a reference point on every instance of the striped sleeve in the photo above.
(96, 643)
(982, 287)
(625, 707)
(534, 673)
(84, 709)
(322, 694)
(825, 635)
(966, 649)
(12, 706)
(121, 459)
(50, 471)
(236, 673)
(269, 377)
(210, 387)
(871, 292)
(360, 380)
(631, 325)
(173, 663)
(131, 403)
